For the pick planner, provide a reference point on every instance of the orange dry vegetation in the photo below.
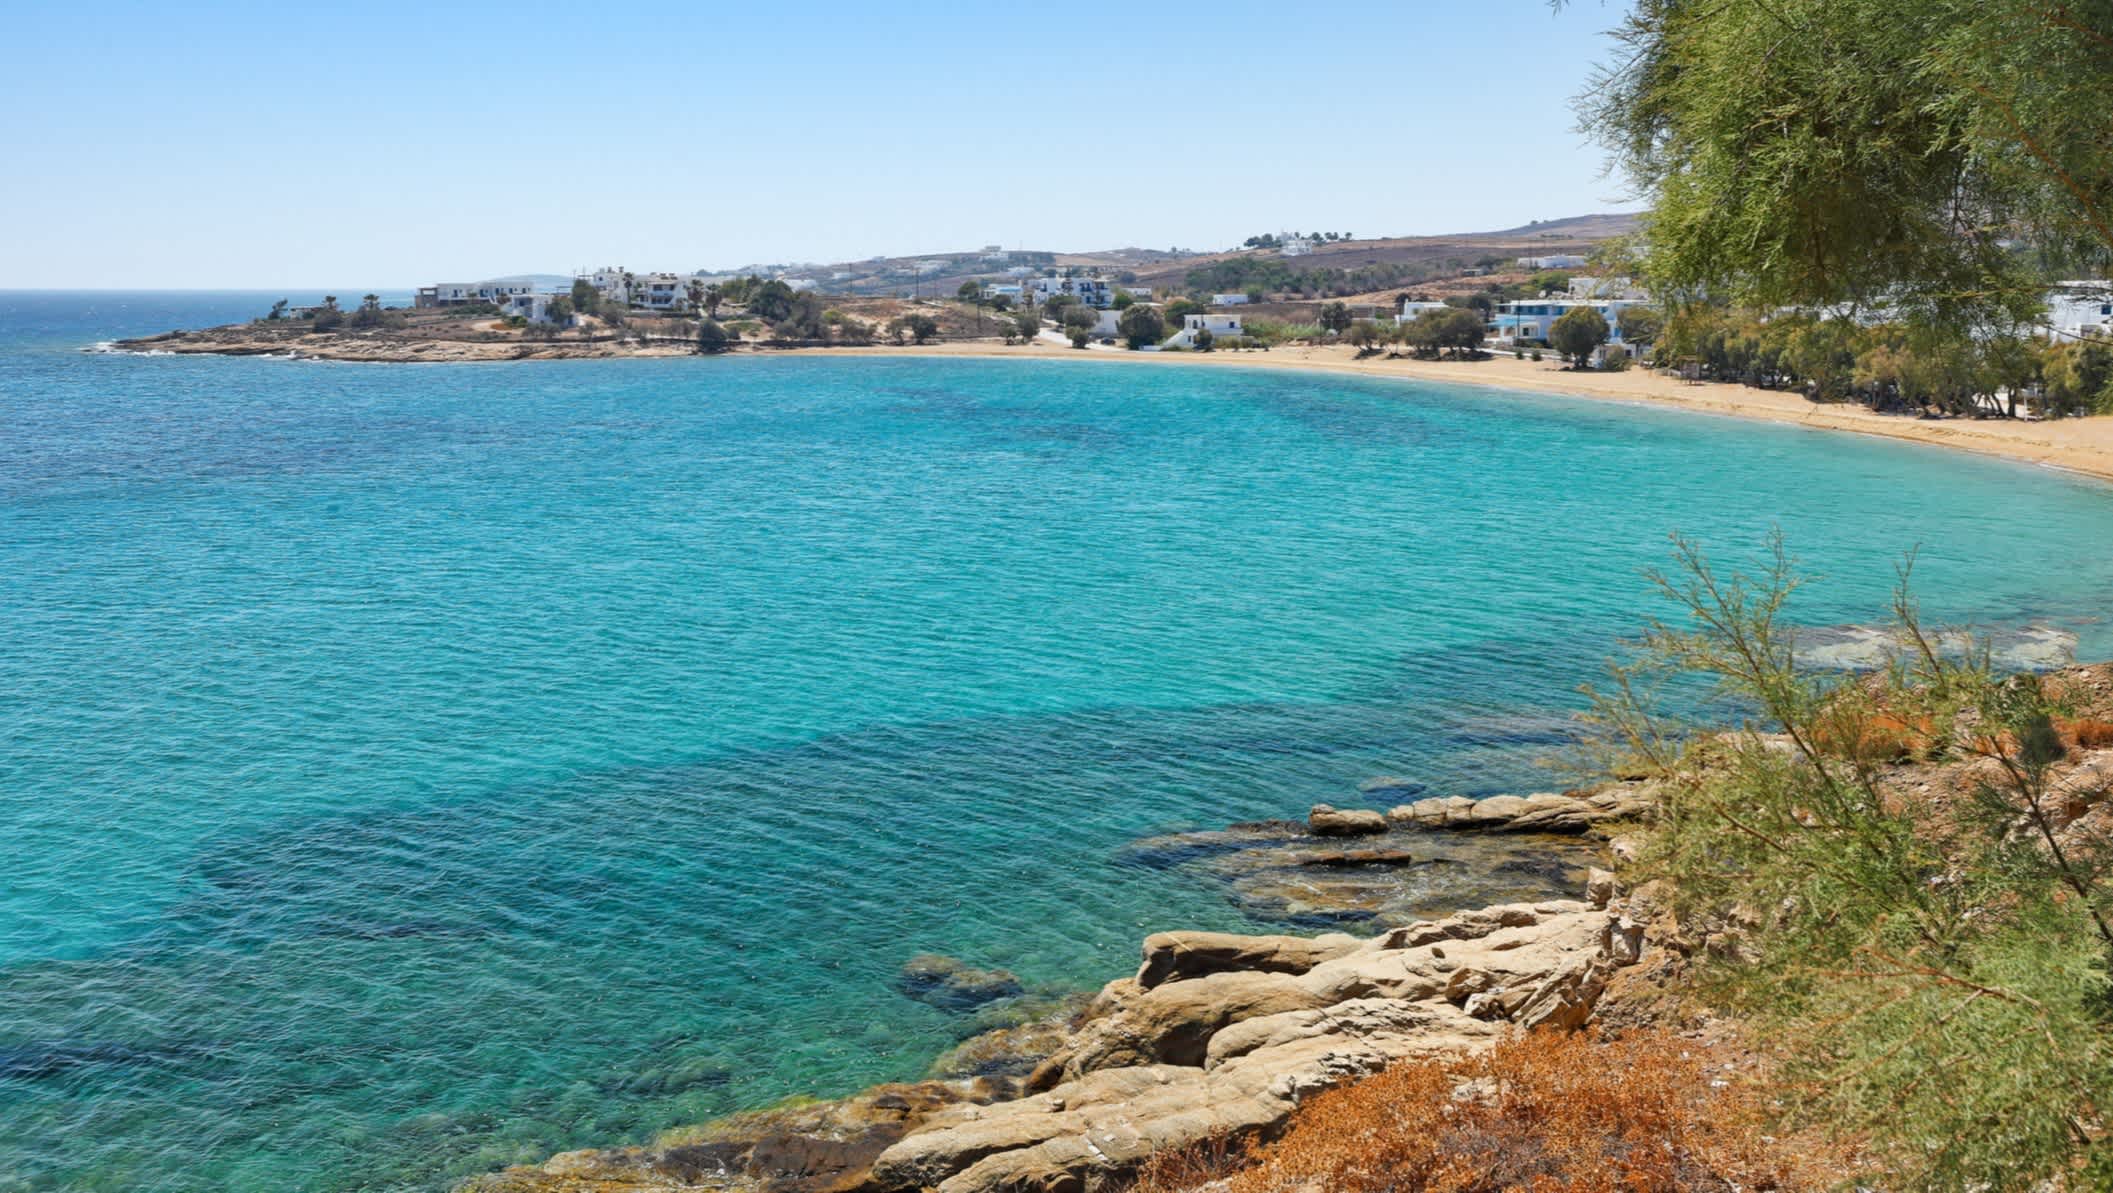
(1545, 1113)
(2086, 733)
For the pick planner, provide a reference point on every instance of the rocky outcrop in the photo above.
(1171, 956)
(1572, 812)
(1328, 821)
(814, 1147)
(952, 985)
(1230, 1054)
(1218, 1037)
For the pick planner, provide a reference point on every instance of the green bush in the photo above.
(1932, 958)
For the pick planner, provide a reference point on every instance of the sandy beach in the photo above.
(2083, 445)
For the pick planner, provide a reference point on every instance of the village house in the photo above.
(1558, 261)
(1220, 326)
(1515, 324)
(1093, 292)
(2078, 310)
(455, 294)
(1412, 308)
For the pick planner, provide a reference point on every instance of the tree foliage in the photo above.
(712, 338)
(1141, 325)
(1577, 334)
(1869, 152)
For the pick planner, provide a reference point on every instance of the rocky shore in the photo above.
(449, 344)
(1215, 1037)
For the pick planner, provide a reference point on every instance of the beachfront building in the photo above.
(533, 306)
(1093, 292)
(1527, 322)
(2080, 310)
(1557, 261)
(455, 294)
(1218, 324)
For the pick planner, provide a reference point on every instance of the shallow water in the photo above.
(406, 770)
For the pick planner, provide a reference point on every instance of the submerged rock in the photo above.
(950, 985)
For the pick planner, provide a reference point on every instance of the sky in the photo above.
(386, 145)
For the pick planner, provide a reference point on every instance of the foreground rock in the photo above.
(1327, 821)
(1571, 812)
(1216, 1037)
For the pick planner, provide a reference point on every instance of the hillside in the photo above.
(1398, 260)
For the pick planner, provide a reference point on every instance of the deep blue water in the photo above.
(406, 770)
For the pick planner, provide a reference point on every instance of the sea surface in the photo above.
(409, 770)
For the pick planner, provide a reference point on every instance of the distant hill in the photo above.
(1604, 226)
(941, 274)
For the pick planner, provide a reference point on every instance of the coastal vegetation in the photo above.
(1908, 875)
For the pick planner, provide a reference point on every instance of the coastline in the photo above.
(2082, 445)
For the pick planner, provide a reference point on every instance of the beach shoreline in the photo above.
(2079, 445)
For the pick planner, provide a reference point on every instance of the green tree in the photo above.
(1822, 152)
(770, 301)
(1079, 323)
(1182, 308)
(585, 298)
(1203, 340)
(278, 311)
(1255, 293)
(328, 317)
(970, 292)
(714, 294)
(922, 327)
(1577, 334)
(1027, 325)
(1363, 336)
(1335, 317)
(1639, 325)
(1141, 325)
(712, 339)
(560, 311)
(1122, 300)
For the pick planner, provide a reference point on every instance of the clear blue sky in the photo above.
(352, 145)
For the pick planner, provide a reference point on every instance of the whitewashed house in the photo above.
(1228, 300)
(1516, 324)
(2079, 310)
(532, 306)
(1221, 326)
(1093, 292)
(455, 294)
(1557, 261)
(1413, 308)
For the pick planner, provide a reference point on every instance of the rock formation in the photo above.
(1217, 1037)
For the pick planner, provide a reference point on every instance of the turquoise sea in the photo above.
(407, 770)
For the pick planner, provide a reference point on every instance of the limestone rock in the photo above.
(1171, 956)
(1571, 812)
(1326, 821)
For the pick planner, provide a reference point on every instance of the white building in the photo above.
(1558, 261)
(661, 292)
(1093, 292)
(1219, 325)
(532, 306)
(1527, 321)
(1295, 246)
(1411, 308)
(2080, 310)
(455, 294)
(1228, 300)
(1009, 290)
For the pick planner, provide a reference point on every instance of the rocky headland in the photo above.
(1216, 1037)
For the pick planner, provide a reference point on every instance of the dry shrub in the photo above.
(1545, 1112)
(2085, 733)
(1876, 737)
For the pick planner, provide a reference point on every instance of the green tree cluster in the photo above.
(1934, 157)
